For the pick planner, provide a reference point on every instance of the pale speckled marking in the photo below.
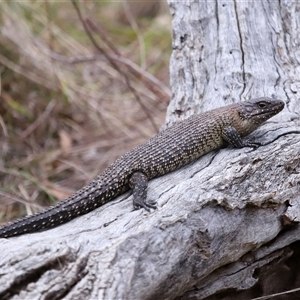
(169, 150)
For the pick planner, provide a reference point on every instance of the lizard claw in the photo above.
(137, 204)
(253, 145)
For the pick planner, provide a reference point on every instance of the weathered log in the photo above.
(223, 223)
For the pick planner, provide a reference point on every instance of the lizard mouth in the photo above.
(268, 113)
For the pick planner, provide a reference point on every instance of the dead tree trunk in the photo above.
(226, 225)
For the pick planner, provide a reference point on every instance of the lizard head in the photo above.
(256, 111)
(259, 110)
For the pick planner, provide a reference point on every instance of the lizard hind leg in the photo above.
(138, 182)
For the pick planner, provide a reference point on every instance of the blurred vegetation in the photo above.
(76, 94)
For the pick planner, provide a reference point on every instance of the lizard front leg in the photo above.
(231, 135)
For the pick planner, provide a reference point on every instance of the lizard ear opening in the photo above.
(242, 115)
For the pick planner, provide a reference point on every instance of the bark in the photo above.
(227, 225)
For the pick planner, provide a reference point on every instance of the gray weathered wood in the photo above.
(220, 219)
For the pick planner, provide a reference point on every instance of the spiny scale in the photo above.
(169, 150)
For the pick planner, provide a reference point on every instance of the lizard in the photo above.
(172, 148)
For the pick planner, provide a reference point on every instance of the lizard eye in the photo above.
(262, 104)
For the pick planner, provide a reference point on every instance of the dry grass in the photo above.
(67, 110)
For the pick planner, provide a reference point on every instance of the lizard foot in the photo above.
(140, 203)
